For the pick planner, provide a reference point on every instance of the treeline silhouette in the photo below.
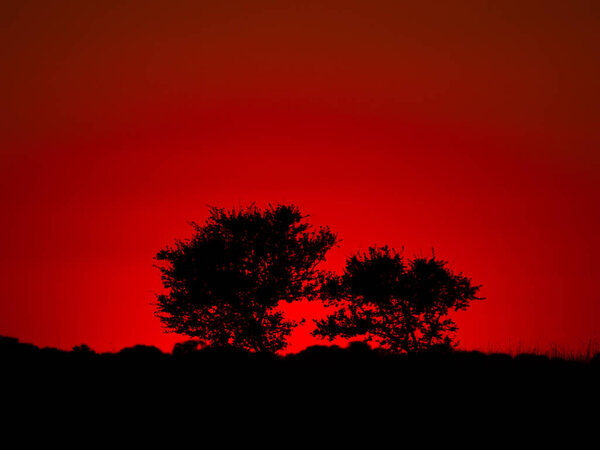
(355, 361)
(435, 391)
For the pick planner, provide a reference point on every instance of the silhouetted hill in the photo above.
(357, 358)
(328, 383)
(357, 362)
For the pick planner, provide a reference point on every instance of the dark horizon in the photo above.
(26, 353)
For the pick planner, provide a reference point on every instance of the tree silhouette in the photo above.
(225, 283)
(403, 306)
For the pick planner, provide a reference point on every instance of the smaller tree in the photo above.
(402, 305)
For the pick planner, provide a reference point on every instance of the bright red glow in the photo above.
(473, 130)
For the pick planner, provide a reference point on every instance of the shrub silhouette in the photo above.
(226, 282)
(187, 347)
(83, 349)
(402, 305)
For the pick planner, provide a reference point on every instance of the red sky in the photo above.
(464, 126)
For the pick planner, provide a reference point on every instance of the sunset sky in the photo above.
(471, 127)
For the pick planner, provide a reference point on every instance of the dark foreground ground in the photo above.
(322, 385)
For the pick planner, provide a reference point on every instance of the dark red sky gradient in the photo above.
(467, 127)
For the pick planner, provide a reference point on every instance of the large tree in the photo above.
(403, 305)
(226, 283)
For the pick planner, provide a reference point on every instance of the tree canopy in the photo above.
(225, 284)
(403, 305)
